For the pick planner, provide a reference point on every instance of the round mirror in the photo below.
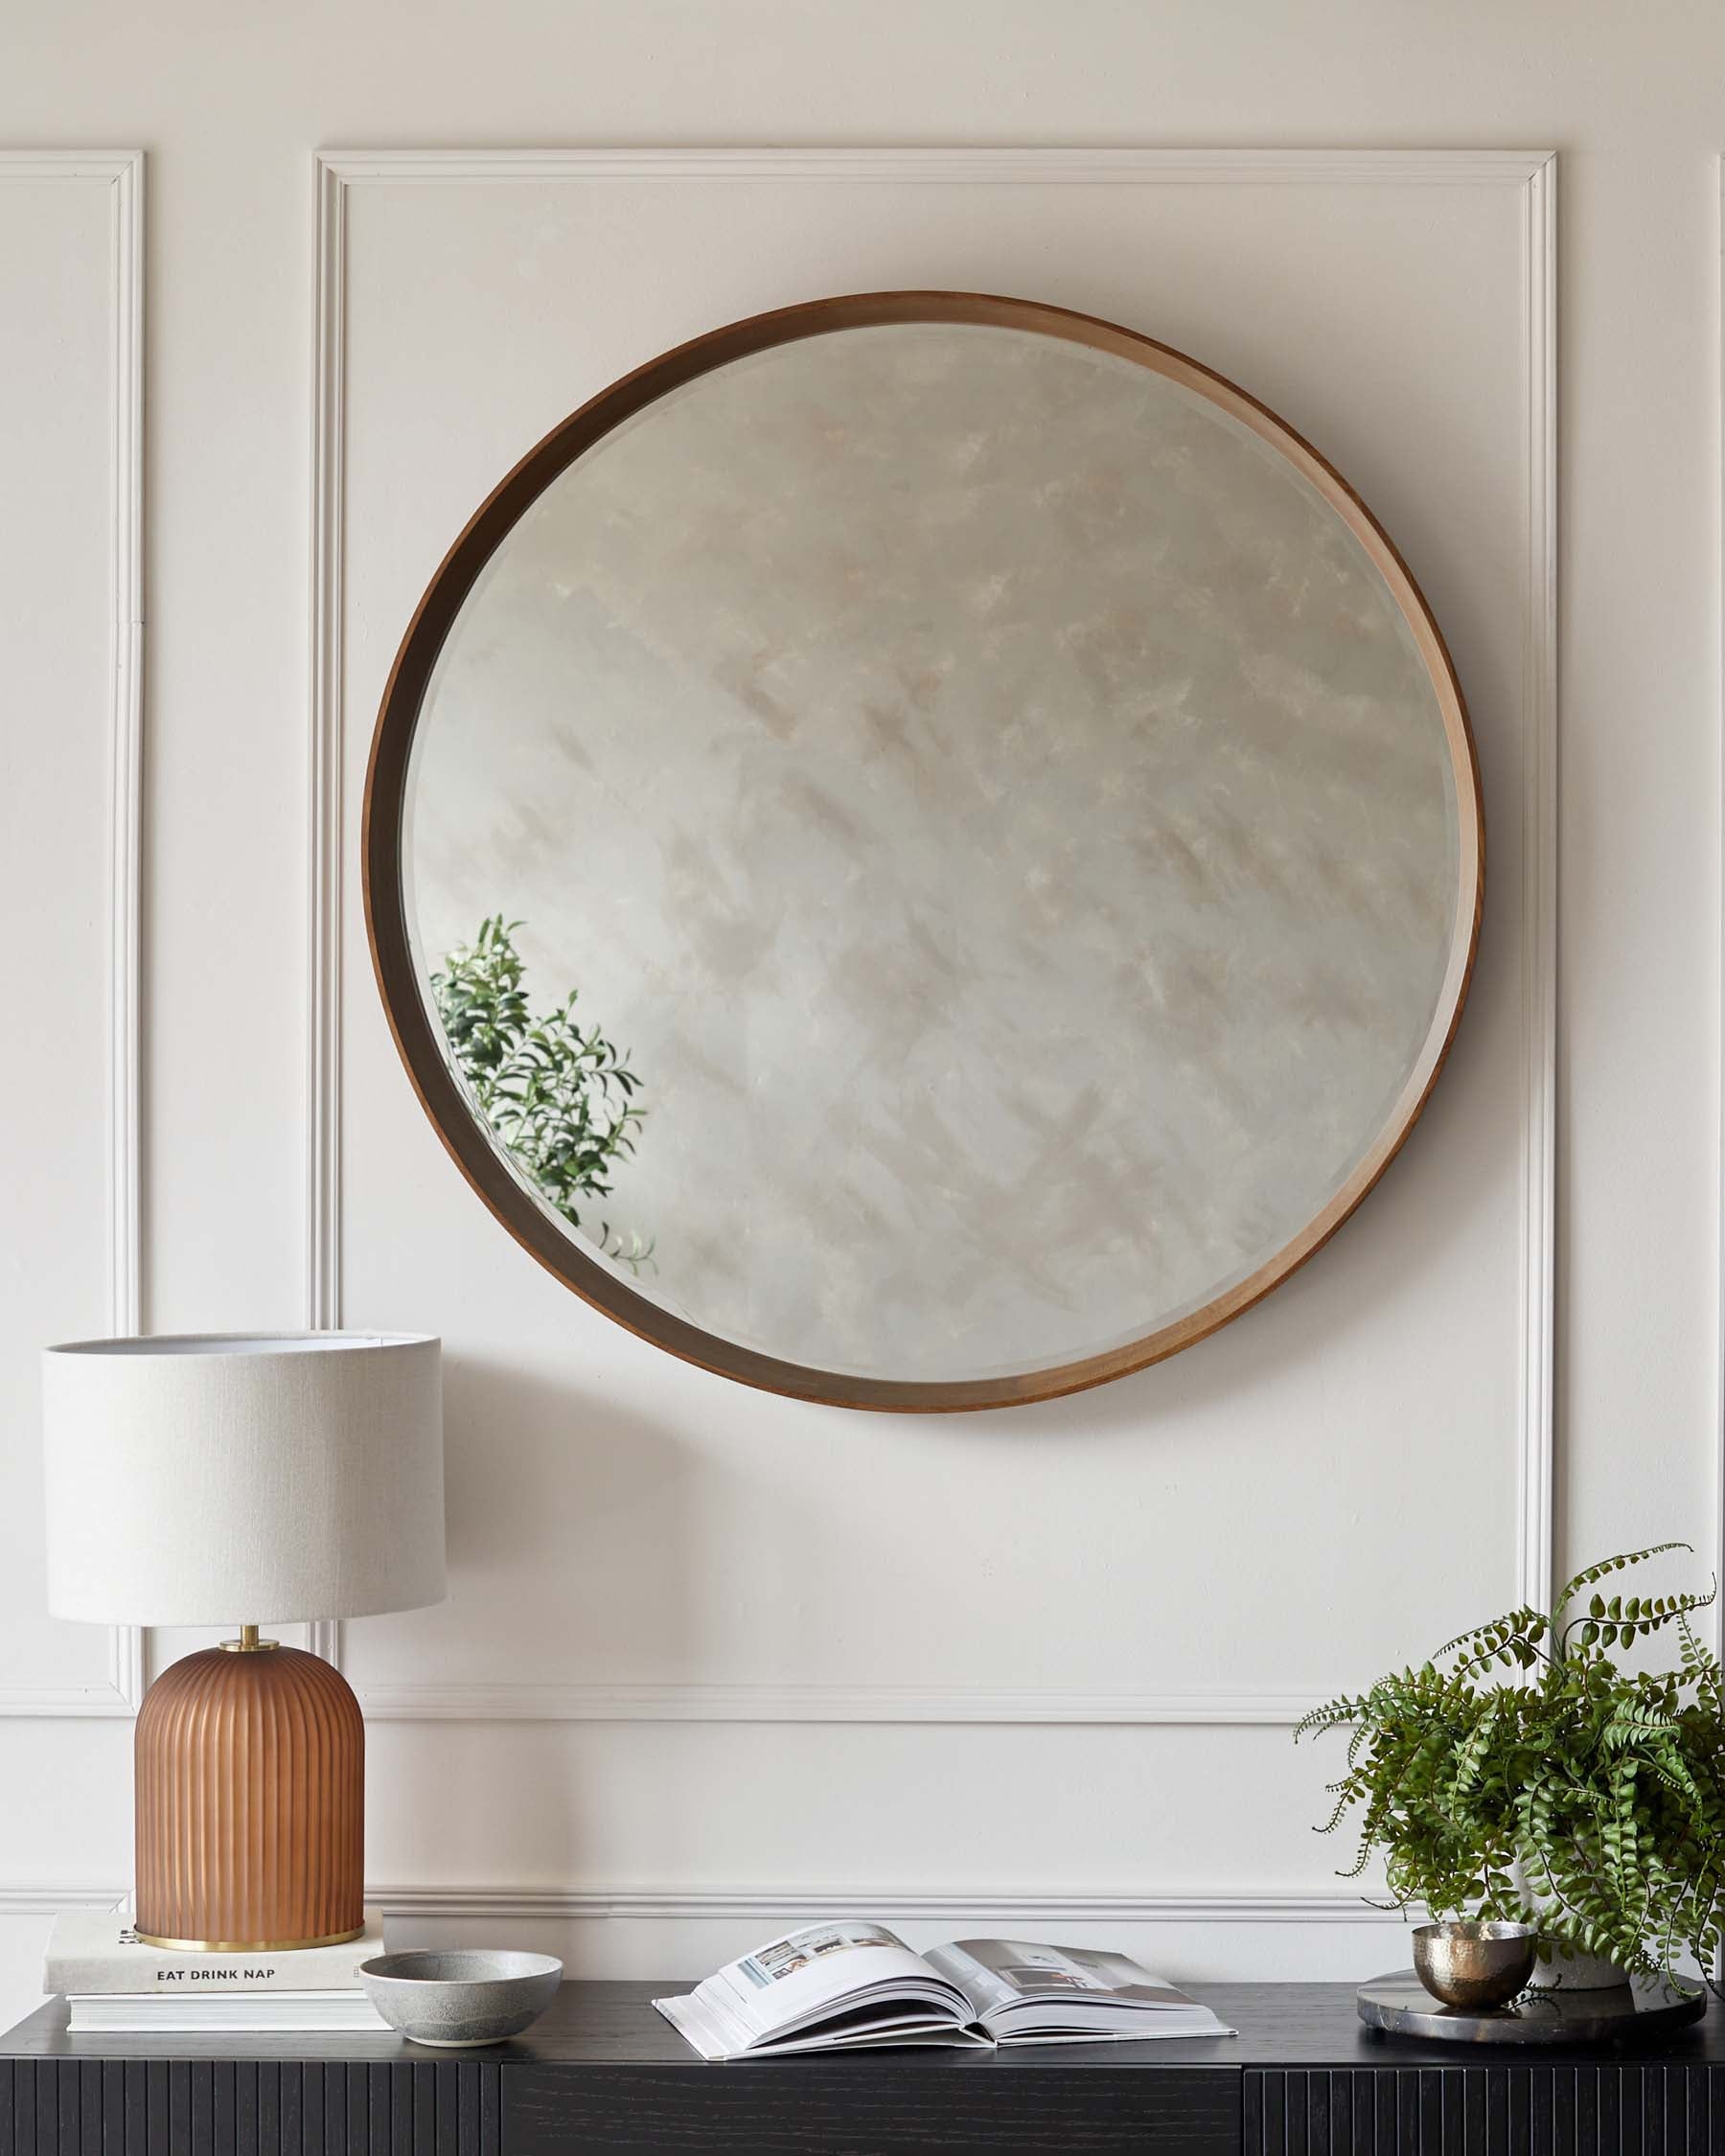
(923, 851)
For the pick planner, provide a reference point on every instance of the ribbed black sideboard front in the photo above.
(58, 2106)
(1572, 2109)
(602, 2073)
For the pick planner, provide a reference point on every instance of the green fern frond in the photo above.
(1522, 1773)
(1597, 1573)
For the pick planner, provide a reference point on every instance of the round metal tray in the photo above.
(1401, 2005)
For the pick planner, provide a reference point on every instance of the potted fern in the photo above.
(1573, 1793)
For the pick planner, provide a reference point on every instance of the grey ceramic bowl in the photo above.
(458, 1996)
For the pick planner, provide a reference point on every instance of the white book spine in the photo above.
(187, 1974)
(143, 2024)
(95, 1952)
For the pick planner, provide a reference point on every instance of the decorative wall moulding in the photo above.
(1531, 176)
(774, 1905)
(1718, 1625)
(828, 1703)
(769, 1906)
(899, 167)
(120, 173)
(120, 1694)
(28, 1898)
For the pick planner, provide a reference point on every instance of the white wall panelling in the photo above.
(645, 1931)
(70, 440)
(767, 1905)
(647, 1559)
(500, 1700)
(610, 1508)
(1536, 1472)
(48, 1896)
(1718, 1358)
(565, 186)
(632, 1930)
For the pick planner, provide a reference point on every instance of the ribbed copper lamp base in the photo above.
(250, 1792)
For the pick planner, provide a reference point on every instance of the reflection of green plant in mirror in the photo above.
(1587, 1799)
(560, 1101)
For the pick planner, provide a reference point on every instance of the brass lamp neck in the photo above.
(248, 1643)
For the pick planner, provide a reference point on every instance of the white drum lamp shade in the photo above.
(243, 1479)
(213, 1478)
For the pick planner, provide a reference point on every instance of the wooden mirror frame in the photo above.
(386, 917)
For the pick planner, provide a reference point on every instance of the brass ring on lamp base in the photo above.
(249, 1643)
(247, 1945)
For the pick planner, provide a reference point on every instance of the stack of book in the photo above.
(114, 1983)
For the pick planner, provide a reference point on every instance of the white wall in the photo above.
(1322, 1487)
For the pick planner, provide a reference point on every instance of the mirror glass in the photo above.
(938, 851)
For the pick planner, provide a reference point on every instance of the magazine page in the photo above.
(1014, 1969)
(847, 1971)
(981, 1987)
(857, 2030)
(1024, 1992)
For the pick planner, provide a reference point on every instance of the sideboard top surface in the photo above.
(593, 2023)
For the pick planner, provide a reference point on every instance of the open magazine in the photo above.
(844, 1986)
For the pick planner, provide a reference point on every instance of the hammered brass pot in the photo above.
(1476, 1965)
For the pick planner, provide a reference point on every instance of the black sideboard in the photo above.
(602, 2073)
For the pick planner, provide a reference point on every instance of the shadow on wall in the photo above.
(548, 1483)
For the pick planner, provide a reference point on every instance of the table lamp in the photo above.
(218, 1478)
